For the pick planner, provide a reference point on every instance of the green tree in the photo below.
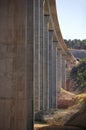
(78, 74)
(76, 43)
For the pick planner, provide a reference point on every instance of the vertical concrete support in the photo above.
(54, 75)
(59, 70)
(50, 66)
(68, 69)
(16, 64)
(29, 63)
(63, 72)
(46, 64)
(37, 55)
(41, 54)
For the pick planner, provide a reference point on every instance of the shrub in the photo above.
(78, 74)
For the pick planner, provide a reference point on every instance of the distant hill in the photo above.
(76, 43)
(78, 53)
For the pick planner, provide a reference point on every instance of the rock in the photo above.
(39, 116)
(60, 128)
(65, 99)
(79, 118)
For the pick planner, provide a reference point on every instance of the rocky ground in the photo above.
(59, 128)
(38, 125)
(65, 99)
(71, 112)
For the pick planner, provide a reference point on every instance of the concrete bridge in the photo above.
(33, 60)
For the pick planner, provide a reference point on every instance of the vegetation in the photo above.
(78, 75)
(75, 44)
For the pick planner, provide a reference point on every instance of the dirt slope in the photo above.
(78, 53)
(65, 99)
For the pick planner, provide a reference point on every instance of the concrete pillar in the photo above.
(54, 75)
(46, 64)
(16, 64)
(37, 55)
(41, 53)
(68, 69)
(50, 66)
(59, 69)
(63, 71)
(29, 62)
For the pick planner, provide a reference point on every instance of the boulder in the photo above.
(79, 118)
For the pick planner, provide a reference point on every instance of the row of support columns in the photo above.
(49, 62)
(44, 56)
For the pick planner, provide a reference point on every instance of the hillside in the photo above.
(78, 53)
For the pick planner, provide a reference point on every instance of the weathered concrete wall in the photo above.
(16, 81)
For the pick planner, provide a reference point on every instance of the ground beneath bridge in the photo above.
(71, 112)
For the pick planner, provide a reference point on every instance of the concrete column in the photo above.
(41, 53)
(68, 69)
(37, 55)
(30, 63)
(54, 75)
(46, 64)
(50, 66)
(16, 64)
(59, 70)
(63, 72)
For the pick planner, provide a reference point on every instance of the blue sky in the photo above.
(72, 18)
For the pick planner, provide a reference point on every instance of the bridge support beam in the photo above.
(63, 72)
(16, 64)
(46, 64)
(41, 53)
(68, 68)
(50, 67)
(54, 75)
(37, 55)
(59, 69)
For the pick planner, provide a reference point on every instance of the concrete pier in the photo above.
(16, 65)
(46, 64)
(64, 71)
(59, 69)
(50, 66)
(41, 52)
(54, 75)
(37, 55)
